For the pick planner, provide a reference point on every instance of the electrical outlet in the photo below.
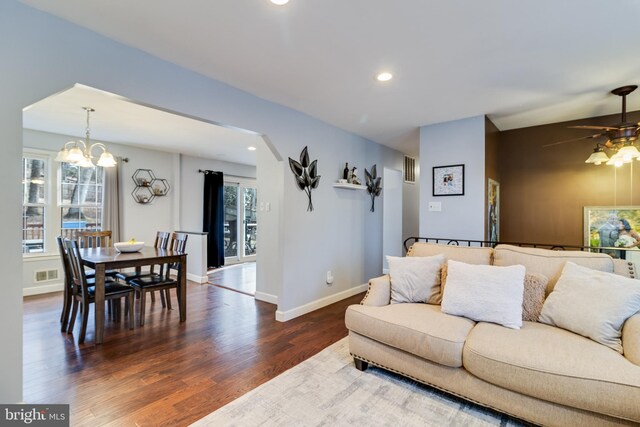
(329, 278)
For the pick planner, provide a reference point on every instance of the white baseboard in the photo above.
(196, 278)
(283, 316)
(261, 296)
(44, 289)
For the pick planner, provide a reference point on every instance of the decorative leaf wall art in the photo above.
(306, 174)
(374, 185)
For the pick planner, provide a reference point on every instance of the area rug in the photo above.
(327, 390)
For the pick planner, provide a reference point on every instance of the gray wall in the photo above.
(46, 55)
(452, 143)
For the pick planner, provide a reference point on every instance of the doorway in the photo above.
(240, 221)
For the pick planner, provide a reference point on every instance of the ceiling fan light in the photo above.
(597, 157)
(628, 153)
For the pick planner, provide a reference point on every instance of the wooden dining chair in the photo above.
(68, 285)
(83, 292)
(161, 242)
(94, 239)
(163, 281)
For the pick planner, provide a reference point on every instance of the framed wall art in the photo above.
(612, 226)
(493, 210)
(448, 180)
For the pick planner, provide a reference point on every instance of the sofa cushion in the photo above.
(415, 279)
(535, 286)
(419, 329)
(592, 303)
(555, 365)
(470, 255)
(485, 293)
(549, 263)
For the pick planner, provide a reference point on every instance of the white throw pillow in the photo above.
(485, 293)
(592, 303)
(415, 279)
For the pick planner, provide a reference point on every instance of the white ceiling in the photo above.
(125, 122)
(522, 63)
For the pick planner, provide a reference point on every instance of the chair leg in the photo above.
(129, 309)
(83, 325)
(66, 310)
(117, 305)
(162, 299)
(168, 293)
(74, 314)
(143, 295)
(153, 296)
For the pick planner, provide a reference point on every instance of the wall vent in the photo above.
(409, 169)
(46, 275)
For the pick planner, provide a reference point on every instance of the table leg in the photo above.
(99, 303)
(182, 280)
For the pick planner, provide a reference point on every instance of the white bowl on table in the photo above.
(128, 247)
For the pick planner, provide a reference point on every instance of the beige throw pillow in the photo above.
(592, 303)
(535, 286)
(415, 279)
(485, 293)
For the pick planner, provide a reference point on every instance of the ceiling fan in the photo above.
(620, 137)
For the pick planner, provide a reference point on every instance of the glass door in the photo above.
(240, 222)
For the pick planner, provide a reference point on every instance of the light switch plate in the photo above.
(435, 206)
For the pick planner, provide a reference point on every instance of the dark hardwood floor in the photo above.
(168, 373)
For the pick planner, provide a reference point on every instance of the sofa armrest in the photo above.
(624, 268)
(631, 339)
(379, 292)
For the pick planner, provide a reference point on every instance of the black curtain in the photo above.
(213, 217)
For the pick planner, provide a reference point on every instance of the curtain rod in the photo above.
(225, 174)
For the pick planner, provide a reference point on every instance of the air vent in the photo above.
(46, 275)
(409, 169)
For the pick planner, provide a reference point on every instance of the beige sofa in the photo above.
(539, 373)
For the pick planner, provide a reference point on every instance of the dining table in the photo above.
(109, 258)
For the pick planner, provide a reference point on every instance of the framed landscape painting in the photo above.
(448, 180)
(611, 226)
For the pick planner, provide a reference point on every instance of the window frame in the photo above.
(62, 205)
(46, 157)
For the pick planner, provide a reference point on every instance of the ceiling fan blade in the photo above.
(594, 127)
(575, 139)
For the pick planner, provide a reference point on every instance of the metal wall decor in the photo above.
(148, 187)
(306, 174)
(374, 185)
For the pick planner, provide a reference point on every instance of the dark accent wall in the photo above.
(491, 151)
(543, 190)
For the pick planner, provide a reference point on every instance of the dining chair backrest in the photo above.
(79, 283)
(162, 240)
(178, 244)
(66, 266)
(94, 239)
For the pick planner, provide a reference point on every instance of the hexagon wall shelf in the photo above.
(148, 187)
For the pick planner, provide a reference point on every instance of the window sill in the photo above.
(39, 257)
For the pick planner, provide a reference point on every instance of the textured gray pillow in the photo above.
(592, 303)
(415, 279)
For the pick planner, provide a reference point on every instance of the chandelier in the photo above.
(78, 152)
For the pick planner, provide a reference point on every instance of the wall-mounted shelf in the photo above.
(148, 187)
(350, 186)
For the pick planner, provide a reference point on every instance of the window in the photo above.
(80, 193)
(34, 199)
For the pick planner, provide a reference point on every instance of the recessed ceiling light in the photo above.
(251, 148)
(384, 76)
(279, 2)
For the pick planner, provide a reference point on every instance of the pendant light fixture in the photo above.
(78, 152)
